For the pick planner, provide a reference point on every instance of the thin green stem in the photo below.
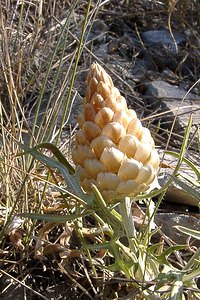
(127, 217)
(125, 208)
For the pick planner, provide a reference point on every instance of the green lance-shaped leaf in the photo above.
(191, 232)
(61, 164)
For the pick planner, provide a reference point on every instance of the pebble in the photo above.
(163, 38)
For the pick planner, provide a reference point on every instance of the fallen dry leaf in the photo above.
(15, 237)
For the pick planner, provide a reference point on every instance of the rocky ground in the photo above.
(151, 50)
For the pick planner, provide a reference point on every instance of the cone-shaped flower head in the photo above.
(113, 150)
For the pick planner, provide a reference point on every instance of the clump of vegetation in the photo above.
(56, 240)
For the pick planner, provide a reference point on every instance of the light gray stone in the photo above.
(162, 96)
(167, 221)
(162, 89)
(163, 38)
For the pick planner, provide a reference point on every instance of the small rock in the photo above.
(161, 89)
(140, 69)
(99, 26)
(163, 38)
(162, 96)
(169, 75)
(167, 221)
(175, 194)
(125, 45)
(98, 31)
(129, 45)
(113, 45)
(131, 39)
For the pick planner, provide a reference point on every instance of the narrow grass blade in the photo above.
(52, 57)
(55, 218)
(79, 50)
(187, 161)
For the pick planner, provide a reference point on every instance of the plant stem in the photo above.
(127, 220)
(129, 227)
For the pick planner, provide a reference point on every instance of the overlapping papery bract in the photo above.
(113, 150)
